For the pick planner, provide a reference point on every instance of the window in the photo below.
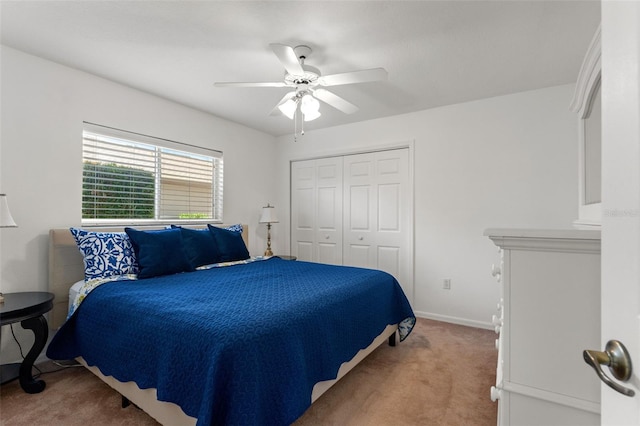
(128, 177)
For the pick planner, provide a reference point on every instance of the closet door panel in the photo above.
(328, 253)
(359, 209)
(389, 260)
(378, 221)
(359, 167)
(316, 210)
(393, 230)
(304, 212)
(303, 218)
(304, 250)
(359, 255)
(360, 216)
(389, 207)
(329, 210)
(327, 205)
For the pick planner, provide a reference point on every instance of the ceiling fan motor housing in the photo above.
(311, 74)
(302, 52)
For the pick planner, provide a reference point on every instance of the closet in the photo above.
(355, 210)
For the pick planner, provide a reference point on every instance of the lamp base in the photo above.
(268, 251)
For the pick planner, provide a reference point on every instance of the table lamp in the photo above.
(268, 216)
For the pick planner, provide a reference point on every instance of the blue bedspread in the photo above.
(242, 345)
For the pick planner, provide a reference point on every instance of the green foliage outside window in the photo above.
(194, 216)
(110, 191)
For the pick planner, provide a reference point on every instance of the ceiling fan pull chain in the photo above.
(295, 125)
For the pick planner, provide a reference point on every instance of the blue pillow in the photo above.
(230, 243)
(105, 253)
(199, 246)
(159, 252)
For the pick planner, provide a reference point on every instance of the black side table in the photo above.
(283, 257)
(28, 308)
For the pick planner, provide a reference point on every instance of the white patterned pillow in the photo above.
(235, 228)
(105, 253)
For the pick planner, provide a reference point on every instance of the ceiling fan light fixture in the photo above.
(309, 104)
(303, 104)
(311, 115)
(289, 108)
(310, 107)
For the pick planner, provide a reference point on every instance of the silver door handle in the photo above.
(617, 358)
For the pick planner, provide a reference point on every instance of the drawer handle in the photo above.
(496, 272)
(495, 320)
(496, 393)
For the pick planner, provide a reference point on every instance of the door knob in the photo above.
(616, 357)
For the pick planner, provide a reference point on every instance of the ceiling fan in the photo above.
(308, 84)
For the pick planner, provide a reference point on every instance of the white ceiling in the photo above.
(436, 52)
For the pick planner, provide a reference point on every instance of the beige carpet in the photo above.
(440, 375)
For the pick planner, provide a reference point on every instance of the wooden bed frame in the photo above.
(66, 268)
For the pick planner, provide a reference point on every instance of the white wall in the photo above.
(509, 161)
(43, 107)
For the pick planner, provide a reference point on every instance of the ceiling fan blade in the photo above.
(250, 84)
(374, 74)
(335, 101)
(288, 58)
(285, 98)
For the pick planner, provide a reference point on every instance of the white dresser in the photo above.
(548, 314)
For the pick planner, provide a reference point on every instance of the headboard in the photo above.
(66, 266)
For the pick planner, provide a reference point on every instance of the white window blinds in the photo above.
(128, 177)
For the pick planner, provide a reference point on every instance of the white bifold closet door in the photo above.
(316, 210)
(355, 210)
(376, 212)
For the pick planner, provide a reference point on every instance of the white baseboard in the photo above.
(455, 320)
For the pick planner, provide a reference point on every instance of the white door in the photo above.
(303, 205)
(377, 214)
(316, 210)
(329, 210)
(620, 304)
(359, 211)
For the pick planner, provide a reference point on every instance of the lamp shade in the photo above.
(312, 115)
(268, 214)
(289, 108)
(6, 220)
(310, 107)
(309, 104)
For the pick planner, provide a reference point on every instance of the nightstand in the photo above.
(287, 257)
(27, 308)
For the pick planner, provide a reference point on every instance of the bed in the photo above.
(253, 341)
